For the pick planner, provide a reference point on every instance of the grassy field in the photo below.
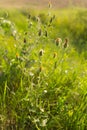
(43, 69)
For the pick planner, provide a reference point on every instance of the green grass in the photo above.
(43, 86)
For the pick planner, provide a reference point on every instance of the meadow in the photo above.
(43, 69)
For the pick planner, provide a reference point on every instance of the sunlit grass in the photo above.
(42, 79)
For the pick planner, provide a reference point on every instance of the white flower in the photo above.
(66, 71)
(44, 121)
(7, 22)
(45, 91)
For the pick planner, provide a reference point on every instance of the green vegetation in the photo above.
(43, 70)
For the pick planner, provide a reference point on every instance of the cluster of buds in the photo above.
(58, 42)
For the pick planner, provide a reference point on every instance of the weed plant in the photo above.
(43, 78)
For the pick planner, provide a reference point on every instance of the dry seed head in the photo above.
(50, 4)
(38, 19)
(41, 52)
(58, 41)
(65, 45)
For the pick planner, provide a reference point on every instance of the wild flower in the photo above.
(45, 91)
(41, 109)
(14, 33)
(58, 41)
(44, 122)
(7, 22)
(31, 74)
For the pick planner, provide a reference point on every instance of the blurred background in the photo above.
(43, 3)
